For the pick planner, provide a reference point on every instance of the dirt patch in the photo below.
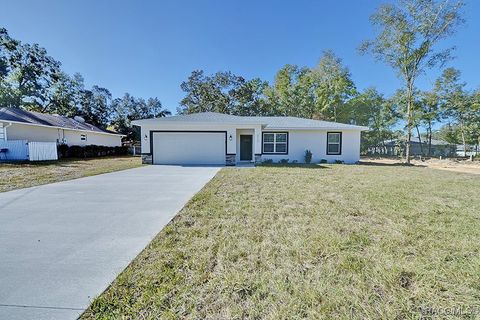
(463, 166)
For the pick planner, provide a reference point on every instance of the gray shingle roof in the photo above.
(268, 122)
(43, 119)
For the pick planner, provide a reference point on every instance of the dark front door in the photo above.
(246, 147)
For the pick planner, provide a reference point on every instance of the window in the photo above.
(83, 137)
(334, 142)
(275, 142)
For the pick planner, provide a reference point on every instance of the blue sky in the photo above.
(147, 48)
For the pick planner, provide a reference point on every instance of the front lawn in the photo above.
(23, 175)
(339, 241)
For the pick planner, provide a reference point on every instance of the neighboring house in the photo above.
(472, 150)
(439, 148)
(215, 138)
(18, 124)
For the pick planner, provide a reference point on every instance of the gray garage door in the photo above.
(186, 148)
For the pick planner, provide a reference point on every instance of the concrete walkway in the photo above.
(62, 244)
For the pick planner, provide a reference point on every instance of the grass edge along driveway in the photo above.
(335, 241)
(23, 175)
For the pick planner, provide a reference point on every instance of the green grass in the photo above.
(338, 241)
(23, 175)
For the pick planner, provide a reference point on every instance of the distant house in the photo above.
(18, 124)
(439, 148)
(472, 150)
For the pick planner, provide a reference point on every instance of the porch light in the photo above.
(145, 137)
(230, 138)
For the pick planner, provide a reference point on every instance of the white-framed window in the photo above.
(83, 137)
(334, 143)
(275, 142)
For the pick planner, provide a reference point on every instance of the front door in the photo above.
(246, 147)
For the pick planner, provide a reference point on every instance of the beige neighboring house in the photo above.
(18, 124)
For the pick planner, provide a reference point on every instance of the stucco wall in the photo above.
(72, 137)
(316, 142)
(299, 141)
(33, 133)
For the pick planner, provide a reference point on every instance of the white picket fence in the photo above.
(22, 150)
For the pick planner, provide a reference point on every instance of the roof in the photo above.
(16, 115)
(267, 122)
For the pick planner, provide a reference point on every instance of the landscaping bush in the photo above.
(339, 161)
(90, 151)
(283, 161)
(308, 156)
(267, 161)
(323, 161)
(62, 150)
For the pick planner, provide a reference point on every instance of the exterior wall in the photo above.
(316, 142)
(33, 133)
(299, 141)
(74, 138)
(2, 132)
(71, 137)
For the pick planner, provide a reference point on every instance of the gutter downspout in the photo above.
(5, 131)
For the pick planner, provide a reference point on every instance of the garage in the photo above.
(189, 148)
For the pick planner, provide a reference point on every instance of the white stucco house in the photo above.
(215, 138)
(18, 124)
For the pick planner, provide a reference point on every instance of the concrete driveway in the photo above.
(62, 244)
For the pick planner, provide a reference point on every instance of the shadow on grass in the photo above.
(292, 165)
(63, 162)
(396, 164)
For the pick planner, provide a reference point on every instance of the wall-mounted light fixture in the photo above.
(145, 137)
(230, 138)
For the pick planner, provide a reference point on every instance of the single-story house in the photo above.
(18, 124)
(215, 138)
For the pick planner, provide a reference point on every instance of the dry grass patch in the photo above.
(341, 241)
(23, 175)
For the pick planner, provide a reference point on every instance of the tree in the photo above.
(333, 87)
(209, 93)
(430, 112)
(223, 92)
(129, 108)
(456, 102)
(64, 95)
(380, 115)
(32, 72)
(95, 106)
(248, 98)
(409, 35)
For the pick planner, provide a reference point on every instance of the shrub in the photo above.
(62, 150)
(338, 161)
(323, 161)
(308, 156)
(294, 161)
(90, 151)
(267, 161)
(283, 161)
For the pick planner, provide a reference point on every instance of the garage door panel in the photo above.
(189, 148)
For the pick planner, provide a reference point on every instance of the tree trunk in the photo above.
(429, 130)
(419, 140)
(463, 139)
(409, 121)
